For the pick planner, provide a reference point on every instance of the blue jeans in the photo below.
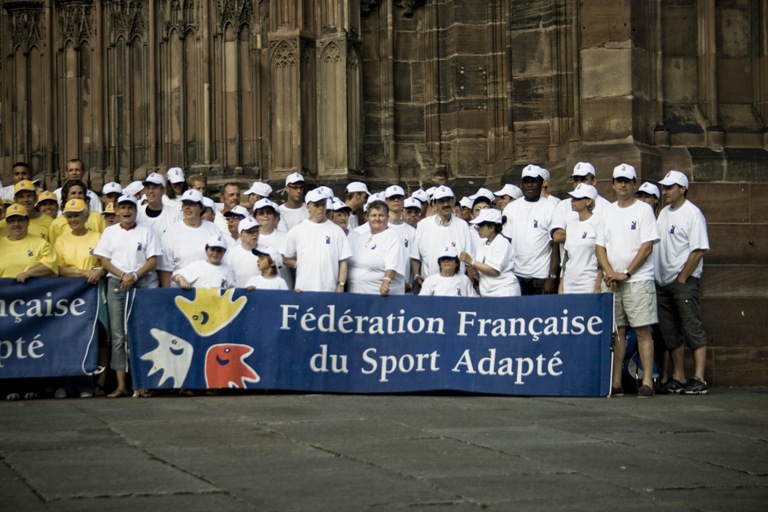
(116, 308)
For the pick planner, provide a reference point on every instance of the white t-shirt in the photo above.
(563, 213)
(183, 245)
(244, 264)
(457, 285)
(432, 237)
(372, 255)
(527, 227)
(500, 256)
(129, 249)
(622, 232)
(266, 283)
(407, 235)
(292, 217)
(160, 224)
(318, 249)
(581, 263)
(202, 274)
(682, 231)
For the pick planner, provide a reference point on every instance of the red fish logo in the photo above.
(225, 366)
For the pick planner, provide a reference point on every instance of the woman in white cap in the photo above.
(449, 282)
(210, 272)
(494, 259)
(649, 193)
(177, 185)
(581, 272)
(379, 260)
(184, 242)
(129, 254)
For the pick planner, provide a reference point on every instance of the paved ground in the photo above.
(431, 453)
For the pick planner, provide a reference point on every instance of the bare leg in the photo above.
(645, 348)
(619, 351)
(678, 359)
(699, 361)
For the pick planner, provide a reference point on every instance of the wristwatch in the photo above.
(342, 283)
(626, 272)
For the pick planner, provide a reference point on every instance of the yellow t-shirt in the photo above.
(17, 256)
(77, 251)
(3, 228)
(39, 227)
(59, 226)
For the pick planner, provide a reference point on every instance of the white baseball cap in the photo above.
(532, 171)
(448, 252)
(265, 203)
(192, 196)
(237, 210)
(208, 203)
(484, 192)
(583, 169)
(491, 215)
(294, 177)
(155, 179)
(420, 195)
(133, 188)
(127, 198)
(316, 195)
(357, 186)
(246, 224)
(624, 171)
(442, 192)
(394, 190)
(674, 178)
(545, 173)
(111, 188)
(259, 188)
(268, 250)
(412, 202)
(465, 202)
(650, 189)
(510, 190)
(583, 190)
(216, 241)
(335, 204)
(175, 175)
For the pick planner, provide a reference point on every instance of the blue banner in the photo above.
(556, 345)
(48, 328)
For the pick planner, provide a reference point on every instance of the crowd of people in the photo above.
(520, 240)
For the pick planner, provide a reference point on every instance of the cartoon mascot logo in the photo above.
(210, 311)
(172, 356)
(225, 366)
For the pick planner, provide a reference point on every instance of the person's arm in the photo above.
(93, 276)
(38, 270)
(389, 274)
(642, 254)
(554, 268)
(342, 276)
(605, 266)
(690, 265)
(480, 267)
(415, 271)
(558, 235)
(181, 281)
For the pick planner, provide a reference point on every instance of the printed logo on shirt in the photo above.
(327, 240)
(90, 251)
(458, 292)
(29, 253)
(406, 244)
(584, 235)
(634, 226)
(535, 224)
(138, 246)
(42, 236)
(672, 231)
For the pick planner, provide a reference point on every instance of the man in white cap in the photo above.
(234, 216)
(395, 198)
(357, 195)
(258, 190)
(583, 172)
(537, 261)
(506, 195)
(412, 209)
(110, 192)
(211, 272)
(624, 243)
(75, 169)
(318, 248)
(155, 214)
(545, 187)
(293, 211)
(435, 233)
(679, 264)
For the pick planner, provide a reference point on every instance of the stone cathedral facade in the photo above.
(417, 92)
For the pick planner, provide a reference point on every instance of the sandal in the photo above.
(144, 393)
(13, 396)
(118, 393)
(99, 390)
(30, 395)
